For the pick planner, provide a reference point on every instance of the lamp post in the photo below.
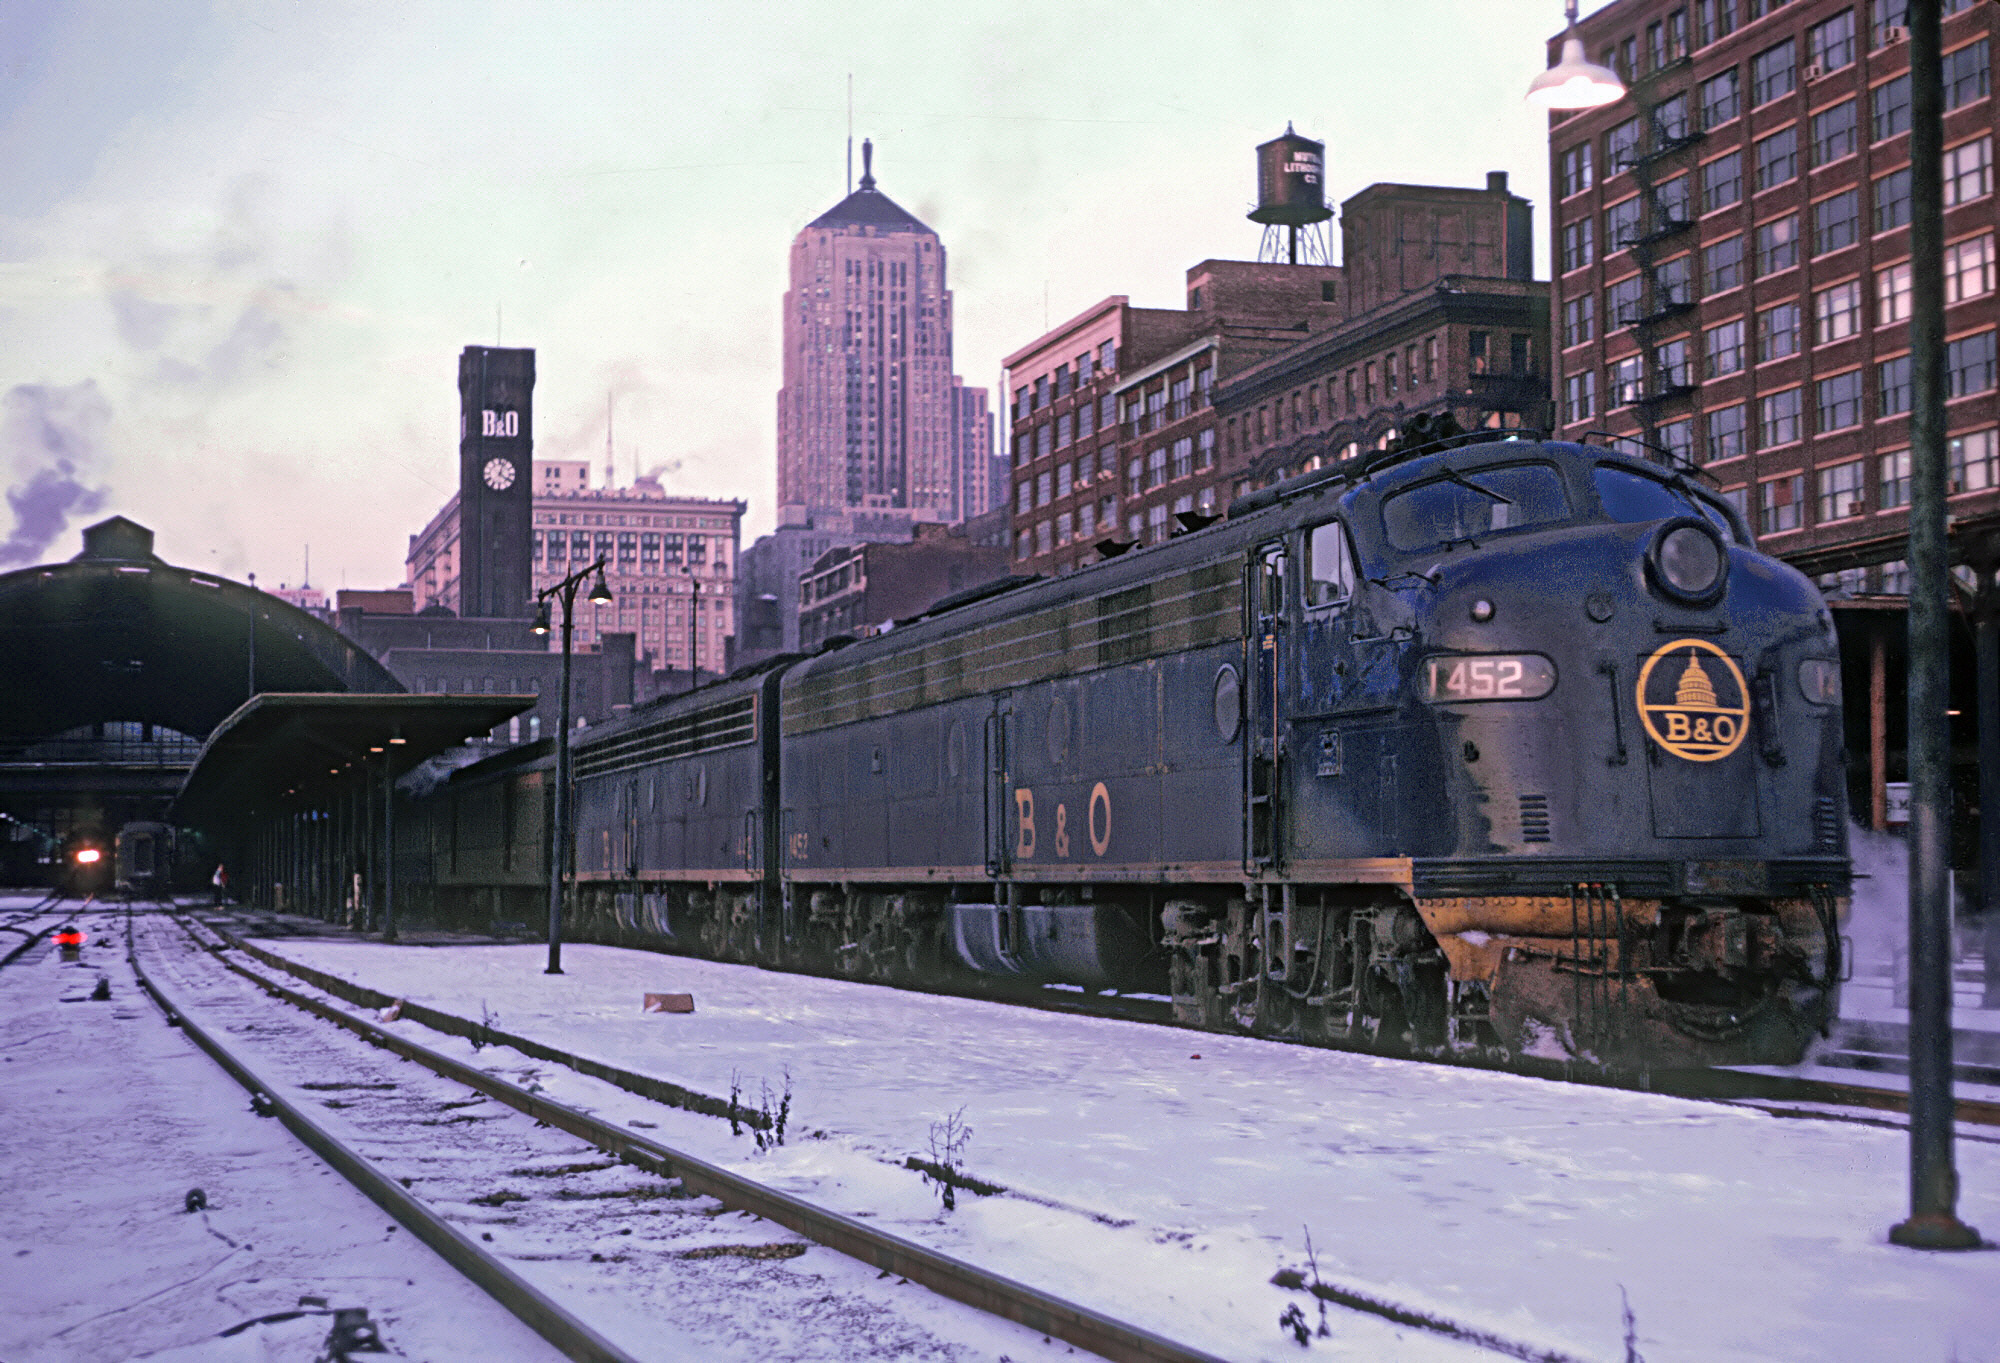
(1574, 82)
(559, 841)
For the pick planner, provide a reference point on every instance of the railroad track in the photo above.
(881, 1251)
(48, 909)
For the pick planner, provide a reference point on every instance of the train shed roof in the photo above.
(308, 746)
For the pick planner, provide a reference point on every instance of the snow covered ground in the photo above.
(107, 1119)
(1163, 1176)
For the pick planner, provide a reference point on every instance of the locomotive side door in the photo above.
(999, 786)
(1265, 605)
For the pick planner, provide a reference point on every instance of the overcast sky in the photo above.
(242, 243)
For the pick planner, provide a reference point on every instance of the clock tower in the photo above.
(495, 497)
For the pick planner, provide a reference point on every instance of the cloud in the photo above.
(52, 443)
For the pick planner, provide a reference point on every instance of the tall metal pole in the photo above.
(1986, 645)
(694, 597)
(559, 843)
(1933, 1221)
(253, 635)
(389, 847)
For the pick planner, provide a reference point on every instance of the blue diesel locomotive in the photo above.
(1498, 744)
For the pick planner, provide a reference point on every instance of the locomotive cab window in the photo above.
(1465, 507)
(1329, 566)
(1631, 497)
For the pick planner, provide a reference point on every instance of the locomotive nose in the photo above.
(1686, 562)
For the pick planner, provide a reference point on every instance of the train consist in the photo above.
(1500, 744)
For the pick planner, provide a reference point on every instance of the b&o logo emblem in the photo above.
(1693, 700)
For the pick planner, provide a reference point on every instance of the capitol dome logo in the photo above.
(1693, 700)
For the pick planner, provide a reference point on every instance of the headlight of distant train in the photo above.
(88, 856)
(1686, 562)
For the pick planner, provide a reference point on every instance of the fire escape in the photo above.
(1662, 241)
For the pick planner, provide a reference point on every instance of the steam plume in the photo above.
(51, 444)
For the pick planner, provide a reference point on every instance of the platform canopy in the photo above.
(118, 634)
(281, 747)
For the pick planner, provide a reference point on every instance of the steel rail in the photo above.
(979, 1288)
(575, 1339)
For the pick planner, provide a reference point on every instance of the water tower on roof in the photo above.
(1291, 201)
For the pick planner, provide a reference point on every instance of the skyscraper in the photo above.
(869, 422)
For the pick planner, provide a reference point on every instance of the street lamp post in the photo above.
(559, 841)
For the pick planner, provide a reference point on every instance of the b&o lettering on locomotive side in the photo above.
(1097, 824)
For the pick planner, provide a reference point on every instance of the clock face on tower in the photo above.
(499, 474)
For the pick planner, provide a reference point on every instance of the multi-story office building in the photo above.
(663, 555)
(1733, 264)
(856, 589)
(872, 426)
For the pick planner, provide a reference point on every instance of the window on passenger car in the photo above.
(1329, 565)
(1471, 505)
(1632, 497)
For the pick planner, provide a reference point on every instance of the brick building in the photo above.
(1124, 419)
(1112, 428)
(856, 589)
(1732, 278)
(662, 552)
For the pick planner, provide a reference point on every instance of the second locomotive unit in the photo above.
(1505, 744)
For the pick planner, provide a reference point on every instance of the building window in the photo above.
(1576, 175)
(1719, 102)
(1967, 75)
(1086, 468)
(1781, 503)
(1621, 145)
(1062, 381)
(1895, 479)
(1156, 523)
(1778, 244)
(1896, 578)
(1083, 362)
(1839, 401)
(1833, 132)
(1777, 158)
(1156, 468)
(1183, 457)
(1721, 182)
(1577, 245)
(1107, 356)
(1580, 396)
(1024, 545)
(1674, 368)
(1579, 318)
(1627, 381)
(1182, 398)
(1728, 431)
(1044, 488)
(1677, 437)
(1777, 332)
(1892, 294)
(1725, 348)
(1968, 172)
(1892, 385)
(1086, 520)
(1368, 383)
(1673, 283)
(1107, 410)
(1968, 269)
(1837, 312)
(1840, 491)
(1778, 418)
(1044, 441)
(1107, 514)
(1065, 430)
(1621, 304)
(1973, 461)
(1830, 46)
(1885, 17)
(1621, 224)
(1773, 73)
(1670, 118)
(1892, 200)
(1086, 420)
(1889, 108)
(1065, 527)
(1041, 392)
(1968, 365)
(1836, 221)
(1205, 449)
(1714, 20)
(1044, 537)
(1024, 497)
(1063, 478)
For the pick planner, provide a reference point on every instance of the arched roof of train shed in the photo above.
(117, 633)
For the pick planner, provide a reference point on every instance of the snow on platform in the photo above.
(1164, 1175)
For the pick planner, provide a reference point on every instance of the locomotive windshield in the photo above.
(1630, 496)
(1464, 508)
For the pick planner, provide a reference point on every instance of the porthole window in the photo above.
(1228, 702)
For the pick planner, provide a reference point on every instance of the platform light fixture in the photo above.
(1575, 82)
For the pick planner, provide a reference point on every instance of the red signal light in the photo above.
(70, 937)
(88, 856)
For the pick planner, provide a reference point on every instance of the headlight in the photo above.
(1687, 561)
(1819, 681)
